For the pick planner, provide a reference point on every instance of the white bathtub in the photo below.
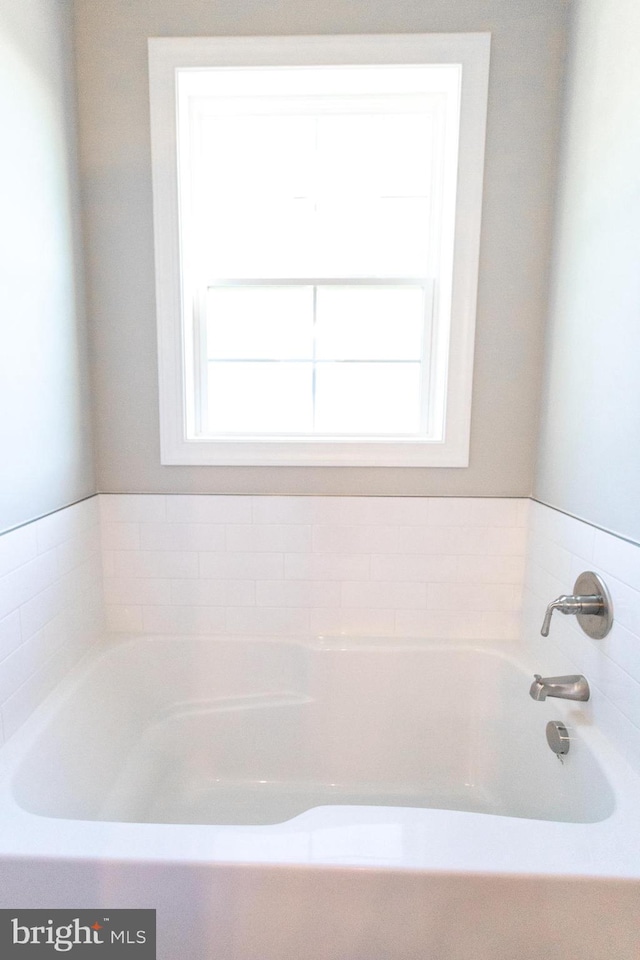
(337, 799)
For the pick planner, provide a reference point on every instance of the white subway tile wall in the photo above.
(560, 548)
(404, 566)
(51, 607)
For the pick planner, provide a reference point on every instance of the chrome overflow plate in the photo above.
(558, 738)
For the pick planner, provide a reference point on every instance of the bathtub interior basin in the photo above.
(257, 732)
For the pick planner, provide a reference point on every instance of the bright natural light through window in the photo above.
(308, 250)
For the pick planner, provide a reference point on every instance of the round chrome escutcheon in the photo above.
(598, 625)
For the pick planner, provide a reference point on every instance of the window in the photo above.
(317, 218)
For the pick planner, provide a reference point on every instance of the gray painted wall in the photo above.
(527, 57)
(46, 457)
(589, 461)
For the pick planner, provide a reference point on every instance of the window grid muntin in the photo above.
(201, 374)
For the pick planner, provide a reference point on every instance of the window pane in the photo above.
(383, 155)
(249, 239)
(369, 323)
(265, 323)
(260, 397)
(255, 213)
(367, 398)
(254, 156)
(372, 237)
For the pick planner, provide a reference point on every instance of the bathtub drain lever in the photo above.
(558, 738)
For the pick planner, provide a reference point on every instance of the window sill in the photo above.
(321, 453)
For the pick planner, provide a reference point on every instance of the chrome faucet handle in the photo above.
(546, 623)
(590, 602)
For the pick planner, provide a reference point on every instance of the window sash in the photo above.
(426, 359)
(434, 190)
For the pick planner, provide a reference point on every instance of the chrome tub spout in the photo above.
(573, 687)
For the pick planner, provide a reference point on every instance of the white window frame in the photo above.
(168, 55)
